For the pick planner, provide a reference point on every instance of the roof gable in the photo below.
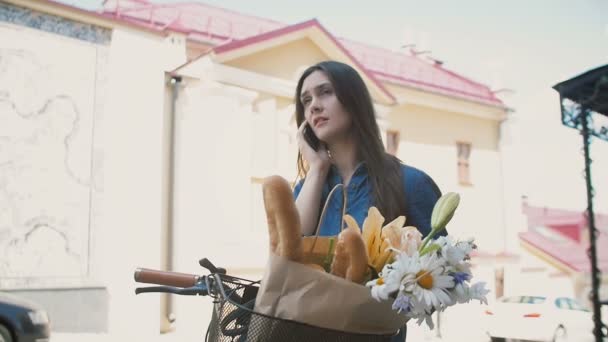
(294, 55)
(317, 34)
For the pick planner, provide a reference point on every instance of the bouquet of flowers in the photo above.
(427, 275)
(367, 280)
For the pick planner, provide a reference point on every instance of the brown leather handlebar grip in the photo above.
(145, 275)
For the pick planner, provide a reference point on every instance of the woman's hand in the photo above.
(317, 160)
(310, 194)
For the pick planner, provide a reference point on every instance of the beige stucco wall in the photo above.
(283, 61)
(429, 133)
(409, 95)
(424, 125)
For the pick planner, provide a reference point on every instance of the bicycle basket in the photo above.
(234, 320)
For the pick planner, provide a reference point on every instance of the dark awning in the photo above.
(589, 89)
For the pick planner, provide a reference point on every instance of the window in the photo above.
(569, 304)
(562, 303)
(524, 299)
(464, 151)
(512, 299)
(533, 300)
(392, 142)
(575, 305)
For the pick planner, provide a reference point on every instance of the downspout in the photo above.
(502, 130)
(501, 155)
(499, 269)
(167, 315)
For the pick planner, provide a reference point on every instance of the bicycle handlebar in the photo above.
(168, 278)
(189, 291)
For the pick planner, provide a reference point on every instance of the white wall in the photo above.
(49, 158)
(480, 212)
(132, 148)
(227, 140)
(84, 130)
(212, 189)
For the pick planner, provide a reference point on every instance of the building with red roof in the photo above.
(561, 237)
(166, 117)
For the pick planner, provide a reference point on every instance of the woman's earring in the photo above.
(329, 153)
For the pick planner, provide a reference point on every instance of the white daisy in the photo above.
(453, 254)
(457, 254)
(461, 290)
(398, 276)
(467, 246)
(428, 319)
(432, 284)
(478, 291)
(443, 240)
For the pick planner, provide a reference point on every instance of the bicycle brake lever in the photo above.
(193, 291)
(211, 267)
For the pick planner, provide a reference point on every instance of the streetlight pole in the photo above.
(582, 98)
(592, 252)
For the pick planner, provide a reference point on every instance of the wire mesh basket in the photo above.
(234, 320)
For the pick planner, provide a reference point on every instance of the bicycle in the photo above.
(233, 317)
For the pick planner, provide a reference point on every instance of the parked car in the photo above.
(539, 318)
(22, 321)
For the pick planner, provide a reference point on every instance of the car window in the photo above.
(569, 304)
(516, 299)
(562, 303)
(533, 300)
(524, 299)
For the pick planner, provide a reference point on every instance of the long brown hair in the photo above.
(384, 170)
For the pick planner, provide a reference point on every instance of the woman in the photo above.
(340, 143)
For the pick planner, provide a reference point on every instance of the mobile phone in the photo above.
(311, 138)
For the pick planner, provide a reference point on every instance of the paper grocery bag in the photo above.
(318, 250)
(294, 291)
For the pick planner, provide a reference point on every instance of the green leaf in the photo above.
(430, 249)
(330, 256)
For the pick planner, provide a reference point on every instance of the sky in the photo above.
(524, 46)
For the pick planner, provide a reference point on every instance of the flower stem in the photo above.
(429, 237)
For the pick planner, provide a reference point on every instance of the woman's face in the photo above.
(329, 120)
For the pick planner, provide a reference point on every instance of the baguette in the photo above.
(316, 267)
(283, 220)
(350, 259)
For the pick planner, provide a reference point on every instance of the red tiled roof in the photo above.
(217, 26)
(545, 236)
(544, 216)
(201, 22)
(404, 69)
(568, 252)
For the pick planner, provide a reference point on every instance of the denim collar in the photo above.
(358, 178)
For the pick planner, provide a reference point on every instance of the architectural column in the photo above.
(382, 117)
(264, 138)
(212, 185)
(288, 146)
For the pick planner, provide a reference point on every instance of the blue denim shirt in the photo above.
(421, 194)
